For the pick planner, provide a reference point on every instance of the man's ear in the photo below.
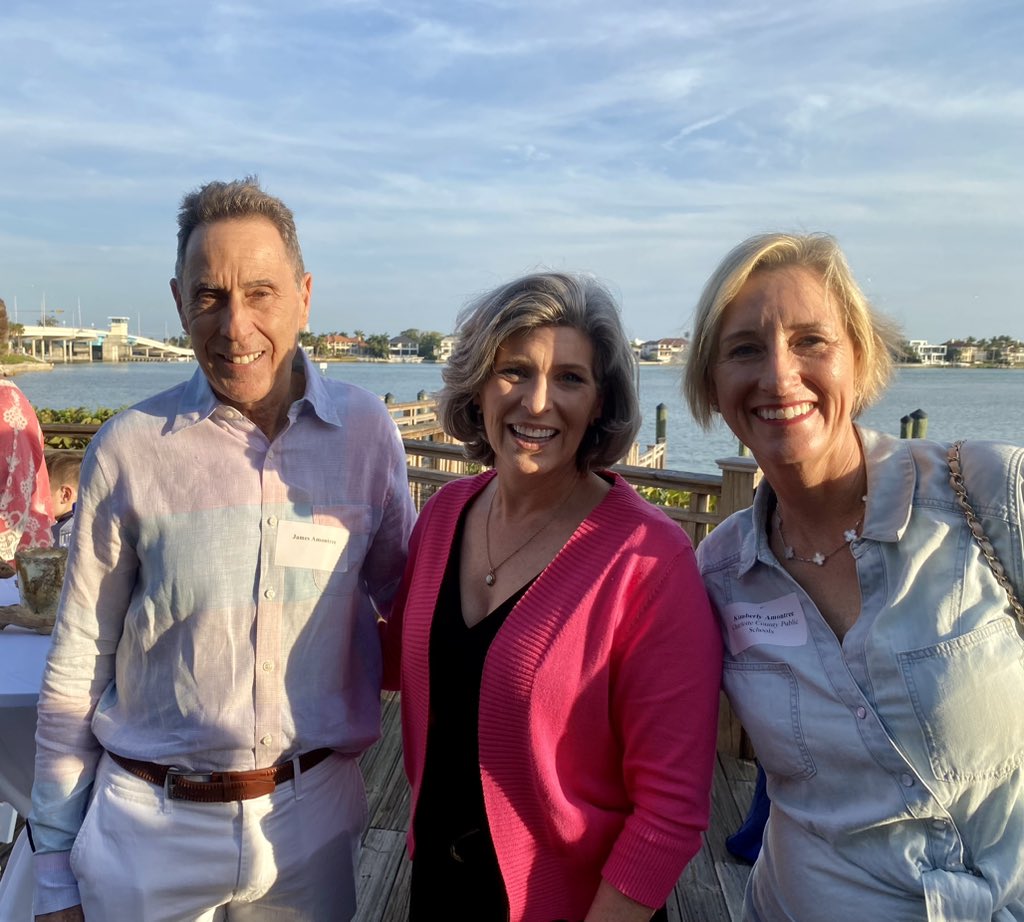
(306, 292)
(176, 292)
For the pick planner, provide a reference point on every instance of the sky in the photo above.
(432, 150)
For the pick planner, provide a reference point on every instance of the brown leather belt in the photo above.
(218, 787)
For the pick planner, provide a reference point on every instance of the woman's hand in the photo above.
(612, 906)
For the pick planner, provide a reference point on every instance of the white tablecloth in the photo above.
(22, 659)
(17, 883)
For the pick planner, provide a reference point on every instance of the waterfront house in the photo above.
(927, 353)
(446, 347)
(351, 346)
(403, 349)
(964, 352)
(1011, 354)
(664, 350)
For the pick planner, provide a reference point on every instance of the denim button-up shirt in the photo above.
(895, 759)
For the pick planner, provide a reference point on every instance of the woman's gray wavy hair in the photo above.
(541, 300)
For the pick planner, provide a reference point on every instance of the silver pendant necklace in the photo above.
(818, 558)
(491, 576)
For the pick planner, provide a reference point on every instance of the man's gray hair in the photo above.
(240, 198)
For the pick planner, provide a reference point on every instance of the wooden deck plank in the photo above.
(393, 809)
(379, 765)
(698, 894)
(383, 853)
(710, 889)
(733, 880)
(398, 907)
(725, 814)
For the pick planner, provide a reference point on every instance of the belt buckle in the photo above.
(173, 772)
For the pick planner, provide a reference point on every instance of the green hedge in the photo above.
(677, 498)
(72, 416)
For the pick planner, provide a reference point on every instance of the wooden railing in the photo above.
(412, 415)
(61, 436)
(654, 456)
(697, 502)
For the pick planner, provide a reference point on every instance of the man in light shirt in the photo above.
(216, 663)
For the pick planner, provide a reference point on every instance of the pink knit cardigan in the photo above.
(598, 705)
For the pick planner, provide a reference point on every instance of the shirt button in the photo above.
(267, 739)
(907, 779)
(268, 666)
(269, 593)
(938, 824)
(862, 712)
(272, 520)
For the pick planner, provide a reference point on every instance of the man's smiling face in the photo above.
(240, 301)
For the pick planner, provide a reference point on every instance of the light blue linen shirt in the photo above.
(200, 625)
(895, 759)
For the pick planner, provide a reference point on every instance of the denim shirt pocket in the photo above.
(968, 697)
(766, 698)
(356, 520)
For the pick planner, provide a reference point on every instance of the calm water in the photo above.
(960, 403)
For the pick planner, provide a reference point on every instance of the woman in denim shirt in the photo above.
(870, 652)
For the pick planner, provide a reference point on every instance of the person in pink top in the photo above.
(557, 655)
(26, 515)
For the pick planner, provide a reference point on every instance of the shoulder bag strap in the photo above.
(956, 480)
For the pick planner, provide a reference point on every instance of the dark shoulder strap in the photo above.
(956, 480)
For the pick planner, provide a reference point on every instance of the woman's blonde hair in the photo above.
(876, 339)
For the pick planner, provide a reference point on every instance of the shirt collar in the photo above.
(754, 546)
(198, 401)
(892, 476)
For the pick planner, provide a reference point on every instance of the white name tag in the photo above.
(779, 622)
(311, 547)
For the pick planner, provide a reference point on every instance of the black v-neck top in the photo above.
(451, 800)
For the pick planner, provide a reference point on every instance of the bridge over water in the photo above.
(81, 344)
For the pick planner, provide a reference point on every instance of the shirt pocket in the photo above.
(968, 697)
(356, 520)
(766, 698)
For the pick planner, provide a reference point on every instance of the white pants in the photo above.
(290, 856)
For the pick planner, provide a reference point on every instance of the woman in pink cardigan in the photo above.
(559, 661)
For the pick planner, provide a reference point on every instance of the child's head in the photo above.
(63, 470)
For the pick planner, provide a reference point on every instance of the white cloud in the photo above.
(428, 148)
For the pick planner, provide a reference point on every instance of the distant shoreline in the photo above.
(959, 367)
(9, 371)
